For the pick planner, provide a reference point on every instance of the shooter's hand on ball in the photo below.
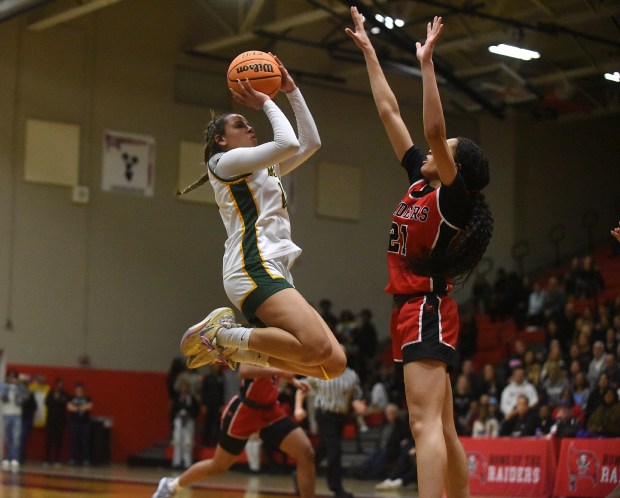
(248, 96)
(288, 85)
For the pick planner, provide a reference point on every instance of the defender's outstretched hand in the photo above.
(424, 53)
(359, 36)
(616, 232)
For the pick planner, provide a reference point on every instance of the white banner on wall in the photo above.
(128, 163)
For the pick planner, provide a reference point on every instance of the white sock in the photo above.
(251, 357)
(174, 485)
(236, 337)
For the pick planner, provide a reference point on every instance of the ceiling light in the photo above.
(375, 31)
(613, 76)
(389, 22)
(516, 52)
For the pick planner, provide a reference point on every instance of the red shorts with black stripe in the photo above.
(425, 326)
(240, 421)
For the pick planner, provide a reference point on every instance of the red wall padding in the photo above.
(136, 401)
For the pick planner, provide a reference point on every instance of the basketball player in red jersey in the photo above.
(254, 409)
(440, 229)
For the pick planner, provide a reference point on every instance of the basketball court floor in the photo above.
(119, 481)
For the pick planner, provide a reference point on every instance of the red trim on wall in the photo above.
(137, 402)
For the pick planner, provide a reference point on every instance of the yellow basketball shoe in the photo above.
(201, 337)
(217, 355)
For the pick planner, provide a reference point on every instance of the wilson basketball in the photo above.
(259, 68)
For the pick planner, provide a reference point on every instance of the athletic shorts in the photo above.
(249, 287)
(239, 422)
(425, 326)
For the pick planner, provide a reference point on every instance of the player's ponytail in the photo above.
(214, 128)
(463, 254)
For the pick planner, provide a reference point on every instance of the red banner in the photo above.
(588, 467)
(510, 466)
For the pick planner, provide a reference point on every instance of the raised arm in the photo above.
(244, 160)
(434, 122)
(307, 133)
(386, 103)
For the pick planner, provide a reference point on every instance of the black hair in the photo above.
(461, 257)
(214, 128)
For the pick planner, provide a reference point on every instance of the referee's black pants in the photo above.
(330, 426)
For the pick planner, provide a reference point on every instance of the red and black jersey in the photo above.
(426, 220)
(262, 391)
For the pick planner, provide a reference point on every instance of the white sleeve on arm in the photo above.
(244, 160)
(309, 140)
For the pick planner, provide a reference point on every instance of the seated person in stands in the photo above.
(393, 433)
(522, 421)
(605, 421)
(485, 424)
(405, 470)
(518, 386)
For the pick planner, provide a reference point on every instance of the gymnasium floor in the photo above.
(119, 481)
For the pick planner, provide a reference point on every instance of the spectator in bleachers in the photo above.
(545, 420)
(589, 281)
(366, 339)
(521, 294)
(468, 334)
(485, 424)
(515, 358)
(500, 305)
(345, 333)
(461, 398)
(185, 410)
(405, 470)
(392, 434)
(596, 394)
(475, 380)
(566, 423)
(29, 408)
(521, 420)
(554, 355)
(555, 299)
(212, 398)
(580, 390)
(597, 364)
(556, 334)
(517, 386)
(536, 305)
(481, 292)
(533, 368)
(611, 343)
(56, 404)
(79, 407)
(605, 420)
(555, 382)
(379, 396)
(612, 369)
(491, 384)
(571, 276)
(13, 392)
(325, 310)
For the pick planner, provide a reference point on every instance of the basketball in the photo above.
(260, 69)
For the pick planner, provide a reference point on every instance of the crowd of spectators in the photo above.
(569, 384)
(566, 386)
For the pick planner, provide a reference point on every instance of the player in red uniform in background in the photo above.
(254, 409)
(440, 230)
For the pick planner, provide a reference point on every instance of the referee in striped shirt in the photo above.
(333, 401)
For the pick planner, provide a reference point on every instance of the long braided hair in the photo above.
(463, 254)
(214, 128)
